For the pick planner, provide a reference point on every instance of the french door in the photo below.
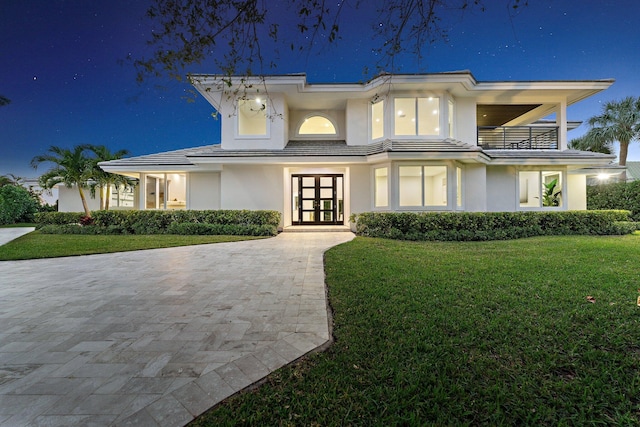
(317, 200)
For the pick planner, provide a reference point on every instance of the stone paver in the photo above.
(155, 337)
(9, 234)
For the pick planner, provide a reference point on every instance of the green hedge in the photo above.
(465, 226)
(622, 195)
(237, 222)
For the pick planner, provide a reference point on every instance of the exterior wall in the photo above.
(252, 187)
(69, 200)
(203, 190)
(576, 192)
(501, 189)
(361, 189)
(474, 188)
(465, 121)
(357, 117)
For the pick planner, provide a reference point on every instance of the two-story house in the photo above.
(430, 142)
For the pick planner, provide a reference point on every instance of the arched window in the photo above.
(317, 125)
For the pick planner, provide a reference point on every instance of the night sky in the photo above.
(61, 67)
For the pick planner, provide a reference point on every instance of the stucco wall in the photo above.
(357, 116)
(361, 190)
(577, 192)
(204, 190)
(474, 191)
(252, 187)
(465, 122)
(69, 200)
(501, 189)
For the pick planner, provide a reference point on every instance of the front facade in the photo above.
(318, 153)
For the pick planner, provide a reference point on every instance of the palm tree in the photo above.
(104, 180)
(71, 167)
(619, 121)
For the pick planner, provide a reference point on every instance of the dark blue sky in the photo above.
(60, 67)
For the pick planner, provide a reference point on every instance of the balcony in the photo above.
(518, 137)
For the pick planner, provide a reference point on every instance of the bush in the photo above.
(465, 226)
(621, 195)
(17, 204)
(235, 222)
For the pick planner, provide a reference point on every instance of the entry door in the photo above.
(317, 200)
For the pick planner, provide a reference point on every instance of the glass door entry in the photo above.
(317, 200)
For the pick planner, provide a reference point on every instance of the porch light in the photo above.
(603, 176)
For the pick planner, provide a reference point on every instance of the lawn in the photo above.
(37, 245)
(540, 331)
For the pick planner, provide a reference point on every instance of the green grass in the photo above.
(37, 245)
(478, 333)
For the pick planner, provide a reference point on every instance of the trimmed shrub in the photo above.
(621, 195)
(236, 222)
(17, 204)
(466, 226)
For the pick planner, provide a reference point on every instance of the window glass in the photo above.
(317, 125)
(405, 116)
(429, 116)
(166, 191)
(377, 120)
(435, 185)
(252, 117)
(529, 189)
(410, 185)
(417, 116)
(551, 189)
(540, 189)
(422, 186)
(381, 184)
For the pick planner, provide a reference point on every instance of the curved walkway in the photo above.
(156, 337)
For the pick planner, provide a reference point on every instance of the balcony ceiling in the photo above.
(499, 114)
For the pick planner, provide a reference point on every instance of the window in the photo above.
(422, 186)
(381, 190)
(317, 125)
(417, 116)
(540, 189)
(166, 191)
(252, 117)
(377, 120)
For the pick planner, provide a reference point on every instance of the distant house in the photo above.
(69, 199)
(633, 171)
(49, 197)
(430, 142)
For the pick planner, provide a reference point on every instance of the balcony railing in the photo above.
(518, 137)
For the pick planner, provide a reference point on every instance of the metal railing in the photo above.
(518, 137)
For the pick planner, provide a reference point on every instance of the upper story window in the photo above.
(417, 116)
(252, 117)
(317, 125)
(377, 120)
(450, 113)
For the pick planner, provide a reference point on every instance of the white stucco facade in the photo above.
(318, 153)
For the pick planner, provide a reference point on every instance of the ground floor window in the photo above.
(165, 191)
(381, 187)
(422, 186)
(122, 197)
(540, 189)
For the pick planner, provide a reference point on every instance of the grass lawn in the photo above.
(477, 333)
(36, 245)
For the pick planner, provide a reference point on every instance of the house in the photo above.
(318, 153)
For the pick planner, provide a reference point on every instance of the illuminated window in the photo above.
(381, 184)
(540, 189)
(417, 116)
(377, 120)
(317, 125)
(252, 117)
(422, 186)
(166, 191)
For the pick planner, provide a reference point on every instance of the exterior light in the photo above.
(603, 176)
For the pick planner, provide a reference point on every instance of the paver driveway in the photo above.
(154, 338)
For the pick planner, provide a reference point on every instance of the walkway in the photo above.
(156, 337)
(9, 234)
